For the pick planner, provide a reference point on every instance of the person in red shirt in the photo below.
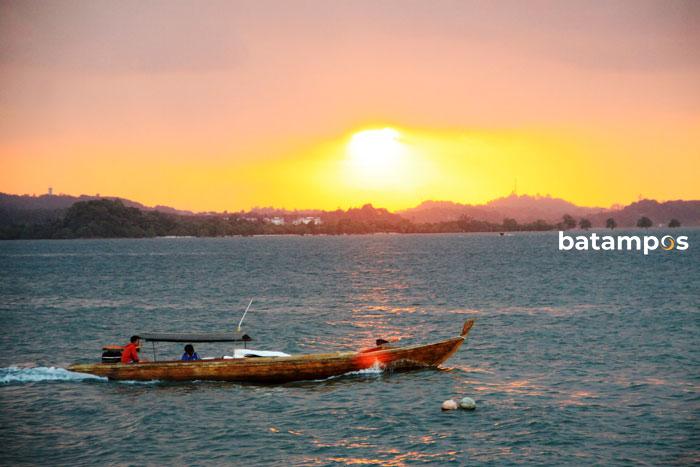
(130, 354)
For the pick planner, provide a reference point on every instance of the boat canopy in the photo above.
(189, 338)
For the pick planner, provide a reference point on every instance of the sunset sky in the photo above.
(324, 104)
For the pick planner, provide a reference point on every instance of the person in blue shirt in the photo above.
(189, 354)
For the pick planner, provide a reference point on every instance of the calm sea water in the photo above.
(576, 358)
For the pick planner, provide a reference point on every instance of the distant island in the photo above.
(64, 216)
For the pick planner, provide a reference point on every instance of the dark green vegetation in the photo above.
(644, 222)
(106, 218)
(89, 217)
(568, 222)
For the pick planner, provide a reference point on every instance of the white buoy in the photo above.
(467, 403)
(449, 404)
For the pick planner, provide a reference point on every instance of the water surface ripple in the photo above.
(576, 358)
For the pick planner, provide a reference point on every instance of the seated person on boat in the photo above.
(130, 354)
(189, 354)
(381, 344)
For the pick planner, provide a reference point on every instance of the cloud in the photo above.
(173, 36)
(116, 37)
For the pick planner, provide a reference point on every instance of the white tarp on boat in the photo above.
(247, 353)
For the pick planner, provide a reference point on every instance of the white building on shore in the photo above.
(307, 221)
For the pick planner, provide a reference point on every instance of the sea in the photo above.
(576, 357)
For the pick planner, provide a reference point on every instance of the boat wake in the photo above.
(15, 374)
(375, 370)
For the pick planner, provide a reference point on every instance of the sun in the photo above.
(377, 152)
(382, 165)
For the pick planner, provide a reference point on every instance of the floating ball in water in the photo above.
(449, 405)
(467, 403)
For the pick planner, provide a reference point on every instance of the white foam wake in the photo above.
(15, 374)
(376, 369)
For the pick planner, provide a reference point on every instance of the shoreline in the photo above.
(363, 234)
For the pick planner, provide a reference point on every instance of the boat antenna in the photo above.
(244, 313)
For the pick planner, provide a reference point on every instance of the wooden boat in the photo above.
(279, 369)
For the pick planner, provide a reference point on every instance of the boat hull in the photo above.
(279, 369)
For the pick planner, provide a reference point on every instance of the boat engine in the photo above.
(112, 353)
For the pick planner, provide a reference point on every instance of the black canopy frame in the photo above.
(208, 337)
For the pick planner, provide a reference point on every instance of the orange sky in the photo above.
(230, 105)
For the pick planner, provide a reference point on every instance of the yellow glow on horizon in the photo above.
(390, 166)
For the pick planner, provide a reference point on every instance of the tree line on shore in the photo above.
(107, 218)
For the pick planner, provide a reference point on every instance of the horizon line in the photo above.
(254, 208)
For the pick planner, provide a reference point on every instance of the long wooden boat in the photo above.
(283, 369)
